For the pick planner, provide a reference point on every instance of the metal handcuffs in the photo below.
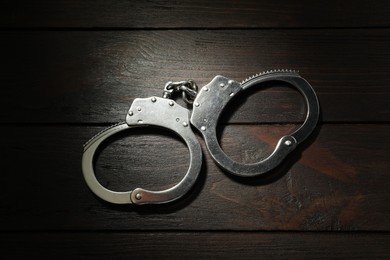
(208, 105)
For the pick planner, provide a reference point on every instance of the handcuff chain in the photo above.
(188, 88)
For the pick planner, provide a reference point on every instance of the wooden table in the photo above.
(70, 69)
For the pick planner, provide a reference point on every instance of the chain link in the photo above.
(188, 88)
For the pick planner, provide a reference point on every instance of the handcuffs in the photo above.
(208, 105)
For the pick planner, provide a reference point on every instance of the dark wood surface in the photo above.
(71, 68)
(93, 76)
(194, 14)
(330, 185)
(199, 245)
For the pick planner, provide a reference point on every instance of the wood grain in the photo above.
(338, 182)
(198, 245)
(92, 77)
(193, 14)
(69, 68)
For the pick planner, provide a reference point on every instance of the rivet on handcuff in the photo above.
(208, 105)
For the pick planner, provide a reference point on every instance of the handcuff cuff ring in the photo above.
(213, 99)
(155, 112)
